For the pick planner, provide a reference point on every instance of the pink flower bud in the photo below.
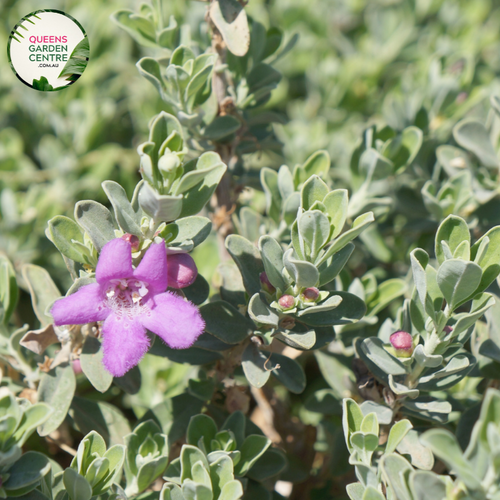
(133, 240)
(286, 301)
(403, 343)
(447, 329)
(181, 270)
(77, 366)
(462, 97)
(310, 294)
(266, 284)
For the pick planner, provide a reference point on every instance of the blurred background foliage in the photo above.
(387, 62)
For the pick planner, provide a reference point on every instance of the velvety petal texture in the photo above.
(115, 261)
(130, 301)
(84, 306)
(153, 268)
(176, 321)
(124, 343)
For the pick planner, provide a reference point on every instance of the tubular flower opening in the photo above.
(130, 301)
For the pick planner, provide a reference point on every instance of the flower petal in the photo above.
(115, 261)
(84, 306)
(124, 343)
(153, 268)
(176, 321)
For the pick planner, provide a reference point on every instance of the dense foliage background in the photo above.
(400, 98)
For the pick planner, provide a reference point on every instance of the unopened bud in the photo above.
(181, 270)
(266, 284)
(286, 301)
(133, 240)
(402, 343)
(169, 162)
(77, 366)
(310, 294)
(447, 329)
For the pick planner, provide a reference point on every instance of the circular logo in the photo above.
(48, 50)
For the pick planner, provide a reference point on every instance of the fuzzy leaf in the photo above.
(91, 362)
(128, 220)
(247, 258)
(303, 273)
(336, 203)
(26, 473)
(221, 128)
(252, 449)
(140, 28)
(225, 322)
(97, 221)
(231, 20)
(63, 231)
(77, 486)
(445, 446)
(260, 312)
(164, 208)
(394, 468)
(458, 280)
(43, 291)
(317, 164)
(272, 258)
(474, 137)
(56, 389)
(8, 289)
(201, 426)
(312, 191)
(289, 373)
(256, 366)
(453, 230)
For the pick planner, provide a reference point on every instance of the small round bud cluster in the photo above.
(133, 240)
(402, 343)
(286, 301)
(310, 294)
(181, 270)
(267, 286)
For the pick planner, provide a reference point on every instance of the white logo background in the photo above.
(48, 24)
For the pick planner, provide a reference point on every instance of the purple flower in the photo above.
(129, 301)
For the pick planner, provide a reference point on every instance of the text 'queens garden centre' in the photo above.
(48, 48)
